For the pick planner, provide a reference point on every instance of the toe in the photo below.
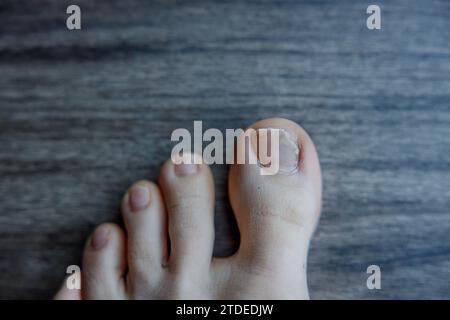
(277, 209)
(145, 220)
(104, 263)
(188, 190)
(65, 293)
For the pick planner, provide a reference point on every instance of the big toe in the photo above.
(277, 201)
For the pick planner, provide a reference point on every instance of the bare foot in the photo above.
(276, 216)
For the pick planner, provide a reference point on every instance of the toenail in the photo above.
(100, 238)
(288, 151)
(139, 198)
(185, 169)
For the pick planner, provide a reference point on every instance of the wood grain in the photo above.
(85, 113)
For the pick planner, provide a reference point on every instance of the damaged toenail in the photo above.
(139, 198)
(185, 169)
(288, 153)
(100, 238)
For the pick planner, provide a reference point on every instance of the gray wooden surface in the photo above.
(84, 114)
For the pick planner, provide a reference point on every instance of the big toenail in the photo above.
(286, 156)
(185, 169)
(100, 238)
(289, 152)
(139, 198)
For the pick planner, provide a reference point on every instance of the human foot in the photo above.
(276, 215)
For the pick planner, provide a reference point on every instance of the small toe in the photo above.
(146, 224)
(104, 263)
(64, 293)
(188, 191)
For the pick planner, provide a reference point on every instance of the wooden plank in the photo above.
(84, 114)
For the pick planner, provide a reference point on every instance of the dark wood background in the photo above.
(85, 113)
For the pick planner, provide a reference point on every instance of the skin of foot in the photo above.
(166, 251)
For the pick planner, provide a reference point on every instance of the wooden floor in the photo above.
(84, 114)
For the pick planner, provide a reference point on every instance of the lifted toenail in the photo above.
(185, 169)
(100, 238)
(288, 153)
(139, 198)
